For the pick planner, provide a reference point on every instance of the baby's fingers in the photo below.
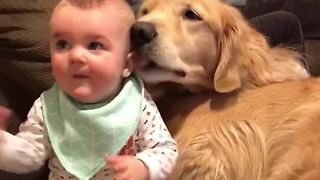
(4, 115)
(123, 176)
(120, 167)
(117, 163)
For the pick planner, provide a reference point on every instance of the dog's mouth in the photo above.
(150, 65)
(153, 66)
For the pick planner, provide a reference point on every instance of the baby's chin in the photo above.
(84, 95)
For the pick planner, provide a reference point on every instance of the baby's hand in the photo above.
(128, 168)
(4, 115)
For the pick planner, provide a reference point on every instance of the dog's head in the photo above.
(205, 44)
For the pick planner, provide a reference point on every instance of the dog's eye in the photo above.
(191, 15)
(144, 11)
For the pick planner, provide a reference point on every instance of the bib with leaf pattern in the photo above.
(82, 134)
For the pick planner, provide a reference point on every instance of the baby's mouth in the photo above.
(80, 76)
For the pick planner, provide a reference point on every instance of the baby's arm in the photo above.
(156, 148)
(29, 149)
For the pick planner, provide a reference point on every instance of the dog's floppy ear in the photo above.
(227, 76)
(246, 60)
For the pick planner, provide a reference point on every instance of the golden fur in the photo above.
(253, 113)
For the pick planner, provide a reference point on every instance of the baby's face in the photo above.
(89, 49)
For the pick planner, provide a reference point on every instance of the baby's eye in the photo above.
(95, 46)
(62, 45)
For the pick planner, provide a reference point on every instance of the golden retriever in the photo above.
(253, 112)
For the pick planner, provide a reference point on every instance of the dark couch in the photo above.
(307, 12)
(25, 61)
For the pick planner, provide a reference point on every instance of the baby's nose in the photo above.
(77, 55)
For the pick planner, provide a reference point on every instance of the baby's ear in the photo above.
(128, 66)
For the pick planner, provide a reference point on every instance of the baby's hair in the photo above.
(123, 6)
(90, 3)
(85, 3)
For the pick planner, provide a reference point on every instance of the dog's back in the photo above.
(263, 133)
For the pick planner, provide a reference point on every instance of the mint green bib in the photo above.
(82, 134)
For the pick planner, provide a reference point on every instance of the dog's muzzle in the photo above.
(142, 33)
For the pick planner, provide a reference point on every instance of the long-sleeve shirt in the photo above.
(30, 148)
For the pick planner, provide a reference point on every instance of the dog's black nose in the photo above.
(142, 33)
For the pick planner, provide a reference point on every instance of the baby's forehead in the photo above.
(120, 8)
(113, 15)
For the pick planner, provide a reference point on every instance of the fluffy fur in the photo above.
(253, 112)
